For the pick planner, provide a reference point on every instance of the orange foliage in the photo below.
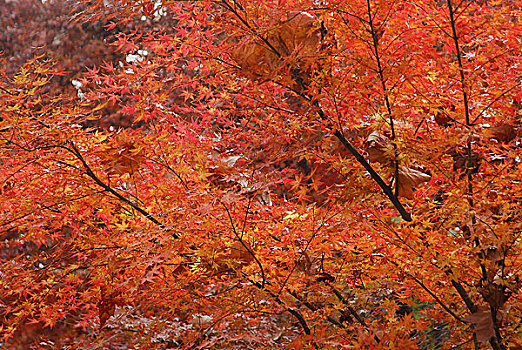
(260, 174)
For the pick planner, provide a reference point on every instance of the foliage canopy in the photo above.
(259, 174)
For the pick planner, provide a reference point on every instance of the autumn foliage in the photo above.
(260, 174)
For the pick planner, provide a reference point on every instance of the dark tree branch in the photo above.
(374, 175)
(89, 172)
(277, 299)
(248, 249)
(496, 340)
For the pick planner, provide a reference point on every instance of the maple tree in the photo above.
(256, 174)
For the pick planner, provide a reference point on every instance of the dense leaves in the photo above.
(259, 174)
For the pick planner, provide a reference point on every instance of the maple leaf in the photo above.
(246, 225)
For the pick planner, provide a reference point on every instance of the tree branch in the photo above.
(75, 151)
(375, 176)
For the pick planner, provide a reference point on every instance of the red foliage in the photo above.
(260, 174)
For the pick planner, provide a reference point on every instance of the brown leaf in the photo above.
(502, 132)
(240, 253)
(298, 36)
(255, 60)
(495, 295)
(107, 304)
(226, 259)
(442, 118)
(443, 115)
(492, 253)
(295, 36)
(105, 311)
(346, 316)
(408, 179)
(200, 320)
(180, 270)
(304, 264)
(482, 323)
(215, 261)
(324, 277)
(122, 155)
(379, 148)
(460, 159)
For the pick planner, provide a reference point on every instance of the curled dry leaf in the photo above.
(106, 309)
(483, 323)
(299, 36)
(380, 149)
(408, 179)
(296, 37)
(121, 155)
(495, 295)
(304, 264)
(442, 116)
(324, 277)
(199, 320)
(502, 132)
(492, 253)
(227, 259)
(460, 159)
(224, 174)
(107, 304)
(309, 264)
